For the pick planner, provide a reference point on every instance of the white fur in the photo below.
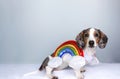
(91, 37)
(89, 55)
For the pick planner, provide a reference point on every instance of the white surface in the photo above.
(101, 71)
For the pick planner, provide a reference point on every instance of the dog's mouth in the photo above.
(91, 46)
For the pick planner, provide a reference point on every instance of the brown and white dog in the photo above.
(88, 40)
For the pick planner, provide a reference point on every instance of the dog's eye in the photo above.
(96, 35)
(86, 35)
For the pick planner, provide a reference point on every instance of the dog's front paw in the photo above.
(80, 77)
(82, 70)
(55, 77)
(95, 61)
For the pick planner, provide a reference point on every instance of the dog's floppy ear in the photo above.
(80, 40)
(103, 40)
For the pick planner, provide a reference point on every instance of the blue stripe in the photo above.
(66, 50)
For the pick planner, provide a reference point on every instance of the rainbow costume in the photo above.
(68, 47)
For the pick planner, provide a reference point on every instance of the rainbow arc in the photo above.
(69, 47)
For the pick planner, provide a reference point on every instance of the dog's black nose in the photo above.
(91, 43)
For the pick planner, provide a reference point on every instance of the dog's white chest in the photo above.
(88, 58)
(89, 55)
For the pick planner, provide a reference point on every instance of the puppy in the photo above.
(87, 40)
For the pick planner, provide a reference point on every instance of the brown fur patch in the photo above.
(97, 36)
(86, 35)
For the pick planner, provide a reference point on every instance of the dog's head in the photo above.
(91, 38)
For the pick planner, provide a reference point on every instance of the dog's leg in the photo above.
(54, 63)
(97, 61)
(94, 61)
(49, 71)
(77, 63)
(79, 75)
(82, 70)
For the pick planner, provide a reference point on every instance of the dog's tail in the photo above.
(44, 64)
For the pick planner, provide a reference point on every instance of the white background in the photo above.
(30, 30)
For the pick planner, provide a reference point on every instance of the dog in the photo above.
(87, 40)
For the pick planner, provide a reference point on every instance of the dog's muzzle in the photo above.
(91, 43)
